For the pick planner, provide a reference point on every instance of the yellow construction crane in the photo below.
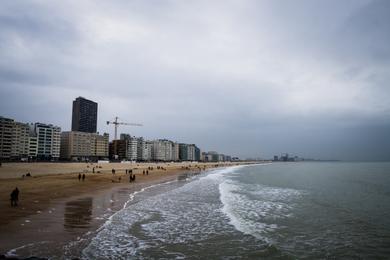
(116, 124)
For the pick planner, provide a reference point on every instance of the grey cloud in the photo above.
(250, 78)
(366, 33)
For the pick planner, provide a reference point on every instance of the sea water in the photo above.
(305, 210)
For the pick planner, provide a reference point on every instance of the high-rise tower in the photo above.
(84, 115)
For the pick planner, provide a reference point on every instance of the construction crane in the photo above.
(116, 124)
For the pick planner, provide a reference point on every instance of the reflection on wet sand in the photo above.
(78, 214)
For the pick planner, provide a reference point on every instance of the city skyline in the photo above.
(248, 78)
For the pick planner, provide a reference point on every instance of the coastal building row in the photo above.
(133, 148)
(38, 141)
(213, 156)
(22, 141)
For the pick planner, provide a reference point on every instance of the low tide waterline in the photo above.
(272, 211)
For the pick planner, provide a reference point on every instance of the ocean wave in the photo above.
(252, 208)
(187, 214)
(183, 214)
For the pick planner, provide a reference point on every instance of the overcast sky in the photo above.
(246, 78)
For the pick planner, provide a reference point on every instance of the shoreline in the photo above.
(74, 208)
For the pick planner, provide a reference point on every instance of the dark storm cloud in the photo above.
(249, 78)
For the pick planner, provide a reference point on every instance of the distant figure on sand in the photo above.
(113, 171)
(147, 172)
(83, 177)
(79, 176)
(15, 197)
(132, 177)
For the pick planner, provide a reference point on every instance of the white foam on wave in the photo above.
(131, 198)
(253, 209)
(186, 214)
(217, 174)
(181, 215)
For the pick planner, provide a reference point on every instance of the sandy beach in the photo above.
(55, 204)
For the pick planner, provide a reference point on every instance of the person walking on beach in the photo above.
(83, 176)
(15, 197)
(147, 172)
(79, 176)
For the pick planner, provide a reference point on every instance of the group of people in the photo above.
(131, 177)
(15, 197)
(81, 177)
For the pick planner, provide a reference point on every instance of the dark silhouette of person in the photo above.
(83, 177)
(113, 171)
(93, 170)
(132, 178)
(147, 172)
(143, 173)
(79, 176)
(15, 197)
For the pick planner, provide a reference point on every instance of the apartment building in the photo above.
(48, 141)
(20, 140)
(32, 143)
(83, 146)
(189, 152)
(101, 146)
(84, 115)
(158, 150)
(6, 127)
(175, 152)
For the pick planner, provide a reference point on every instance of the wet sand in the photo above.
(57, 208)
